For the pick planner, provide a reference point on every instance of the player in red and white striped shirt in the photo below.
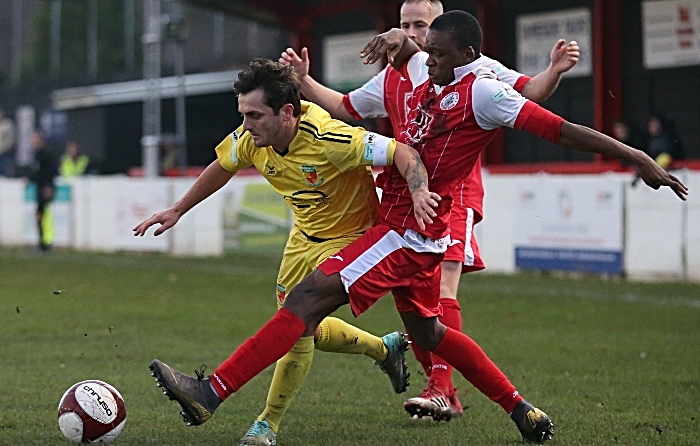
(387, 95)
(402, 252)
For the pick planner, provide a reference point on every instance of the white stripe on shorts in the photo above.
(468, 251)
(389, 243)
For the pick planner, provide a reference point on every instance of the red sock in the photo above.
(471, 361)
(423, 356)
(258, 352)
(442, 371)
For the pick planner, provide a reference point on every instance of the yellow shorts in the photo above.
(301, 256)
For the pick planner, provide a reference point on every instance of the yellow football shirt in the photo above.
(324, 176)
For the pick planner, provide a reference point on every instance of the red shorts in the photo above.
(382, 260)
(463, 246)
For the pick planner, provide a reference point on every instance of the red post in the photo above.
(489, 19)
(607, 65)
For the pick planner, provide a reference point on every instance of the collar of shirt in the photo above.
(462, 71)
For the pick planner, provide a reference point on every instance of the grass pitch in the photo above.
(611, 362)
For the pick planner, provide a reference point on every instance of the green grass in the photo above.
(611, 362)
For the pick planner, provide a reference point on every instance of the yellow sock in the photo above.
(290, 374)
(47, 226)
(338, 336)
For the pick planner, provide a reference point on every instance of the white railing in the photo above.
(659, 235)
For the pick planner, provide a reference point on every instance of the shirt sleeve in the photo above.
(511, 77)
(368, 100)
(495, 103)
(415, 69)
(231, 151)
(364, 149)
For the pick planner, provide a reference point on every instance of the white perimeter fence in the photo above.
(591, 223)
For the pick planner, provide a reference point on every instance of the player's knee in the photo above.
(428, 334)
(449, 280)
(315, 297)
(300, 301)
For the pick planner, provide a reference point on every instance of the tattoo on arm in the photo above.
(415, 174)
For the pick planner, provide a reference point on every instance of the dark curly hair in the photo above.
(275, 80)
(463, 28)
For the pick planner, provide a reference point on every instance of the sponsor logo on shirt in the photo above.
(270, 170)
(311, 175)
(420, 125)
(308, 199)
(449, 101)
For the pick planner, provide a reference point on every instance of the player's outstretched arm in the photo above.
(562, 58)
(588, 140)
(411, 167)
(394, 43)
(212, 179)
(329, 99)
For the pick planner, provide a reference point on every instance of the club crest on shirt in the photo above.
(311, 175)
(449, 101)
(281, 293)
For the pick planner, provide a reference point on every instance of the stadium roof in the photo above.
(136, 91)
(288, 13)
(266, 11)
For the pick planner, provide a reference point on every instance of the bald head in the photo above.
(434, 5)
(416, 17)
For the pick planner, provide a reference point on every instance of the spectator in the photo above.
(43, 175)
(7, 143)
(662, 143)
(627, 134)
(73, 163)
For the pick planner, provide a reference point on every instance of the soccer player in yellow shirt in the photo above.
(322, 168)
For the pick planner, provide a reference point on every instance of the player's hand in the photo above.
(654, 176)
(564, 55)
(166, 219)
(300, 64)
(388, 43)
(424, 204)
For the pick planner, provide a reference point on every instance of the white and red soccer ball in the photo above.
(91, 412)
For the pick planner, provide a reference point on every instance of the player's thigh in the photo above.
(301, 256)
(295, 264)
(378, 262)
(319, 252)
(421, 296)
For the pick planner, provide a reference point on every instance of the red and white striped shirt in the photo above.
(450, 126)
(388, 94)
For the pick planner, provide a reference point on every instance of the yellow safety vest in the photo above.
(70, 168)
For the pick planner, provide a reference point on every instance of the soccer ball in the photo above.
(91, 412)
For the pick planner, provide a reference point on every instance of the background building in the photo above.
(78, 63)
